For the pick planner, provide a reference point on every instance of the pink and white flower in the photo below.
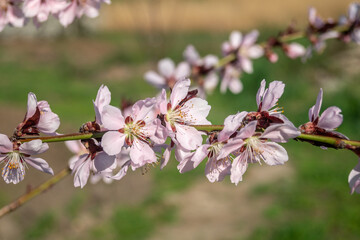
(168, 74)
(38, 118)
(90, 159)
(183, 110)
(267, 100)
(135, 130)
(330, 119)
(215, 169)
(203, 69)
(250, 146)
(245, 49)
(11, 14)
(40, 9)
(16, 157)
(78, 8)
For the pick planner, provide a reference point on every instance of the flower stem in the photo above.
(34, 192)
(317, 139)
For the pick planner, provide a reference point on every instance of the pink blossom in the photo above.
(168, 74)
(249, 147)
(245, 49)
(10, 14)
(230, 80)
(203, 69)
(78, 8)
(215, 169)
(267, 100)
(38, 118)
(330, 119)
(16, 157)
(40, 9)
(90, 159)
(183, 110)
(354, 179)
(135, 130)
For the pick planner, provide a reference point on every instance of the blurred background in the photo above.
(307, 198)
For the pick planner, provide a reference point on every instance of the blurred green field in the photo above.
(314, 203)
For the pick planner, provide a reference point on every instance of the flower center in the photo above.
(134, 130)
(14, 168)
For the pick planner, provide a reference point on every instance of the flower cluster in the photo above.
(145, 133)
(136, 137)
(17, 13)
(16, 155)
(239, 51)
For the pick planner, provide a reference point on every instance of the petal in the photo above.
(102, 161)
(31, 105)
(82, 174)
(314, 111)
(166, 67)
(5, 144)
(112, 118)
(231, 125)
(216, 171)
(179, 92)
(250, 38)
(165, 157)
(353, 11)
(48, 123)
(295, 50)
(238, 168)
(39, 164)
(354, 179)
(122, 172)
(197, 110)
(280, 132)
(188, 137)
(231, 146)
(200, 154)
(33, 147)
(235, 86)
(191, 55)
(67, 15)
(15, 16)
(210, 82)
(331, 118)
(210, 61)
(235, 39)
(247, 131)
(103, 98)
(112, 142)
(155, 79)
(260, 92)
(182, 71)
(31, 7)
(246, 64)
(141, 154)
(255, 51)
(273, 153)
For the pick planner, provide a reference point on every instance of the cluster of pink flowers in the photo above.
(145, 134)
(137, 136)
(16, 13)
(239, 51)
